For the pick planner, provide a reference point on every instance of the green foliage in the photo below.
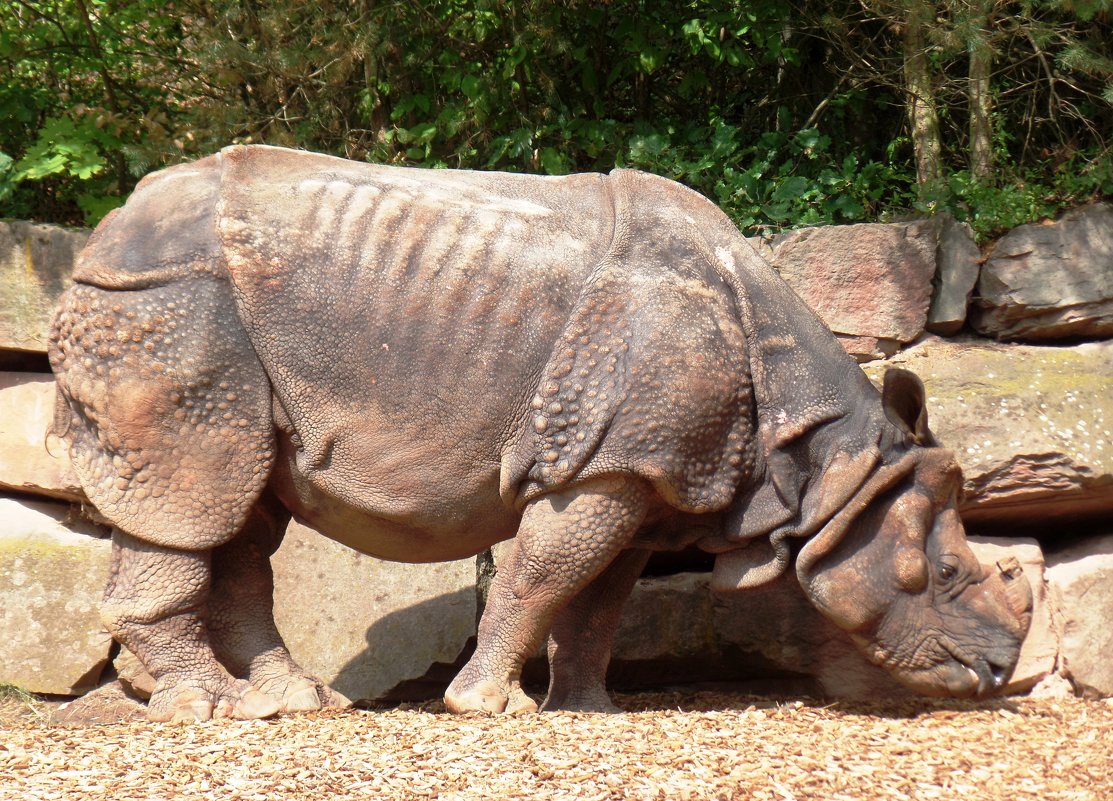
(83, 89)
(69, 154)
(784, 113)
(993, 208)
(779, 181)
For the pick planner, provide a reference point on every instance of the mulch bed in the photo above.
(667, 746)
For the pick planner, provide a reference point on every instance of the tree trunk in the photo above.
(981, 104)
(922, 117)
(377, 118)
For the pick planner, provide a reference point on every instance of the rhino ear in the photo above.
(904, 401)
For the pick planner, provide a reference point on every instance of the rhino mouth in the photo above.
(955, 673)
(987, 675)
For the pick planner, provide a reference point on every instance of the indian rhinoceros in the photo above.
(422, 363)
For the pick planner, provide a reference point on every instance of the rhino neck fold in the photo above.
(820, 426)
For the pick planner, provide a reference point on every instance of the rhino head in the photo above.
(895, 571)
(886, 557)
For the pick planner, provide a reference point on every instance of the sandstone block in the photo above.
(132, 676)
(365, 625)
(1041, 646)
(667, 618)
(957, 258)
(1081, 583)
(1031, 426)
(53, 569)
(1051, 280)
(870, 283)
(28, 462)
(35, 266)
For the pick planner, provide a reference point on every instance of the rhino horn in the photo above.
(1018, 591)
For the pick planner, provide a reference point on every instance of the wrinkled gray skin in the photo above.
(420, 364)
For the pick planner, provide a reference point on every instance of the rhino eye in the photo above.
(948, 568)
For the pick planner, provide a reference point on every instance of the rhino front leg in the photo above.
(241, 616)
(565, 541)
(582, 635)
(154, 604)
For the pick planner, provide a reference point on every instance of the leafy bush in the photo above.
(67, 158)
(992, 208)
(786, 114)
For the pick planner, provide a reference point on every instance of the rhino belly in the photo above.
(402, 514)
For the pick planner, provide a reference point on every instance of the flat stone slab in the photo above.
(1081, 584)
(957, 268)
(364, 625)
(53, 569)
(35, 266)
(1040, 650)
(1031, 426)
(29, 461)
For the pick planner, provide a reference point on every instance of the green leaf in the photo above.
(40, 166)
(553, 162)
(471, 87)
(790, 189)
(97, 206)
(650, 59)
(648, 146)
(422, 133)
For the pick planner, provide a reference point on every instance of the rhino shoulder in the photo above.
(650, 375)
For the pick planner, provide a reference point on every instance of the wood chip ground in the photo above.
(664, 746)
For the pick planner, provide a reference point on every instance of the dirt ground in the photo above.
(663, 746)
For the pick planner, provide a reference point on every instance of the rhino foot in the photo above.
(587, 701)
(300, 693)
(488, 696)
(187, 702)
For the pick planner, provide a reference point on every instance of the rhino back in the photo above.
(404, 316)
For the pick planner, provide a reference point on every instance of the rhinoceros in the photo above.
(422, 363)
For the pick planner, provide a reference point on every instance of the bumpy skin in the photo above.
(422, 363)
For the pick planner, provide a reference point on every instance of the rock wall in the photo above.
(1012, 341)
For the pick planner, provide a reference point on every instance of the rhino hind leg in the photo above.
(154, 605)
(581, 638)
(241, 616)
(166, 412)
(566, 539)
